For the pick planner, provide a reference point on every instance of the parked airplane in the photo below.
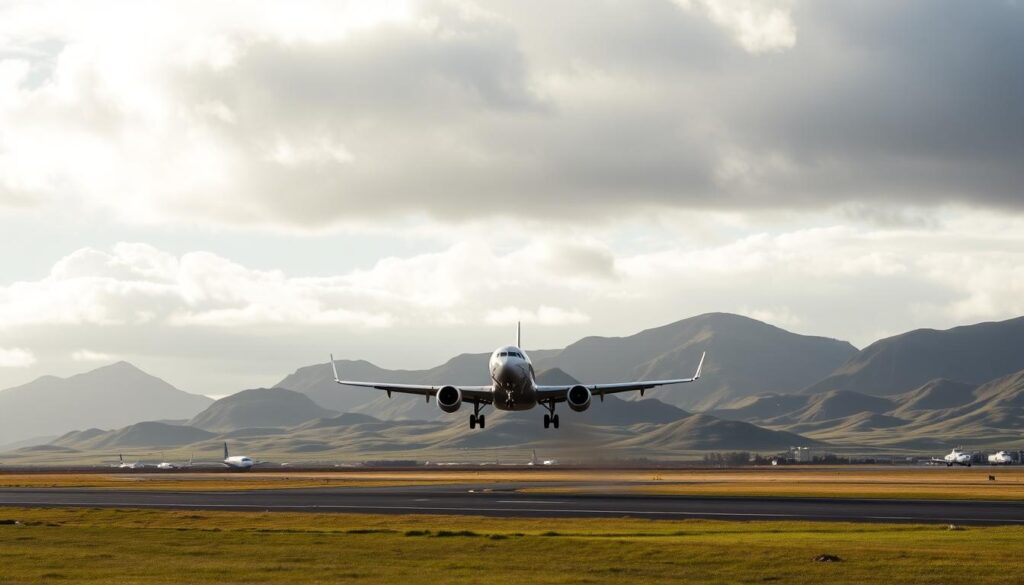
(168, 466)
(125, 465)
(514, 387)
(955, 457)
(535, 461)
(1000, 458)
(237, 462)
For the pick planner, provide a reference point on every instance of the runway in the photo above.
(504, 500)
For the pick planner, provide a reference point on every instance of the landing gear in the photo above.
(476, 418)
(550, 419)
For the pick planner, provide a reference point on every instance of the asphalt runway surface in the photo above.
(504, 501)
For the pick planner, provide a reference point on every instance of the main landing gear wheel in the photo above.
(550, 420)
(476, 420)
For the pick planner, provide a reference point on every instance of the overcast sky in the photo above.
(223, 192)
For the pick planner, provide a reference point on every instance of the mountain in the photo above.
(111, 396)
(745, 357)
(261, 407)
(972, 354)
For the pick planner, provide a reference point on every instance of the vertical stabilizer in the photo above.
(225, 449)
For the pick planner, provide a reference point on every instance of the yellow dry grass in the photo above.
(221, 548)
(880, 482)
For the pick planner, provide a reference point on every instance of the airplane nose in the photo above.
(506, 374)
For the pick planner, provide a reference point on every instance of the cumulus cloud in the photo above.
(16, 357)
(544, 315)
(304, 116)
(758, 25)
(87, 355)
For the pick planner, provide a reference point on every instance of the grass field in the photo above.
(120, 546)
(925, 483)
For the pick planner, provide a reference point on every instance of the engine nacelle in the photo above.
(578, 398)
(449, 398)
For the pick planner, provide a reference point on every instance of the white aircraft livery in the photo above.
(238, 462)
(513, 387)
(1000, 458)
(955, 457)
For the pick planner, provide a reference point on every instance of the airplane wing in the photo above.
(557, 393)
(480, 394)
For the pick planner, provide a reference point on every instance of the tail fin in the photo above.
(121, 457)
(519, 334)
(225, 449)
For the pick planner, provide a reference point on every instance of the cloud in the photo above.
(308, 116)
(544, 315)
(86, 355)
(758, 25)
(16, 357)
(214, 320)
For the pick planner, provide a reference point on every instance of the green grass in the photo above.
(150, 546)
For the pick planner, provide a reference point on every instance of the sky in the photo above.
(222, 192)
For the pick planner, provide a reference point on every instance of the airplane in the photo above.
(535, 461)
(125, 465)
(957, 457)
(237, 462)
(514, 387)
(168, 466)
(1000, 458)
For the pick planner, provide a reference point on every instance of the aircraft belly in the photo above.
(522, 399)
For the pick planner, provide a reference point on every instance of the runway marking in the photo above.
(537, 510)
(531, 502)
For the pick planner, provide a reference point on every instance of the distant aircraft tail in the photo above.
(225, 449)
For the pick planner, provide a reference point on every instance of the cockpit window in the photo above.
(503, 354)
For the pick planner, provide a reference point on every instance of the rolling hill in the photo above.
(261, 407)
(938, 413)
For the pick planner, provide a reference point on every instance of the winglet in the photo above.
(334, 368)
(700, 366)
(519, 334)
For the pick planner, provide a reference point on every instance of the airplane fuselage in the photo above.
(512, 379)
(239, 462)
(958, 457)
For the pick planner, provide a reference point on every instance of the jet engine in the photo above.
(449, 398)
(578, 398)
